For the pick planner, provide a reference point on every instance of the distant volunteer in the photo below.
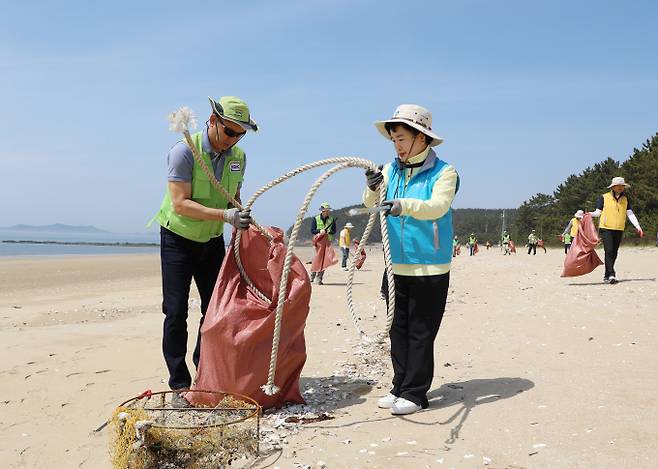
(472, 241)
(532, 242)
(324, 222)
(613, 208)
(192, 217)
(420, 189)
(505, 241)
(571, 230)
(344, 241)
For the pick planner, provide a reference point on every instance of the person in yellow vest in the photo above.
(344, 241)
(613, 208)
(571, 230)
(324, 222)
(192, 217)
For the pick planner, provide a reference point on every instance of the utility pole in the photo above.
(502, 230)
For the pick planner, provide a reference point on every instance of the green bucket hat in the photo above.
(235, 110)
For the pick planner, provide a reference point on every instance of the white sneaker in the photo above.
(612, 279)
(404, 407)
(387, 401)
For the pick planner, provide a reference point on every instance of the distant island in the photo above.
(81, 243)
(56, 228)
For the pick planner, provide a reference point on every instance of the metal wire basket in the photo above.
(150, 432)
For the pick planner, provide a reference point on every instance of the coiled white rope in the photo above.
(341, 163)
(180, 121)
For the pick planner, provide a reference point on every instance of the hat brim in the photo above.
(381, 126)
(624, 184)
(251, 125)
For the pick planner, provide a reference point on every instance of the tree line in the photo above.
(552, 212)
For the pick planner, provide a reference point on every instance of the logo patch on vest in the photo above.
(235, 166)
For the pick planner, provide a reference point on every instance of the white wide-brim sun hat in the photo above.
(414, 116)
(618, 181)
(349, 225)
(579, 214)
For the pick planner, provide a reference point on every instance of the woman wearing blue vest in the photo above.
(613, 208)
(192, 217)
(420, 189)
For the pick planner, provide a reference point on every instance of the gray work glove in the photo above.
(394, 207)
(374, 179)
(241, 219)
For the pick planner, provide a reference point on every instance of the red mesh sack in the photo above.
(325, 256)
(512, 246)
(582, 258)
(362, 255)
(236, 336)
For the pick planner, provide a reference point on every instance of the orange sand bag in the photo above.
(362, 255)
(325, 256)
(512, 247)
(236, 336)
(582, 258)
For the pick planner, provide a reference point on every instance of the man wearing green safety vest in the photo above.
(505, 241)
(472, 241)
(532, 243)
(192, 217)
(324, 222)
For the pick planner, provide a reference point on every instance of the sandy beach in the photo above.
(532, 370)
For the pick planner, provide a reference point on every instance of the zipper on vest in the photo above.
(402, 238)
(437, 244)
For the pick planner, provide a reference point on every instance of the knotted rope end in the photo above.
(181, 120)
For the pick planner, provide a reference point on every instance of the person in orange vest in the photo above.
(612, 209)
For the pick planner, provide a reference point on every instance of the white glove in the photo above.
(240, 219)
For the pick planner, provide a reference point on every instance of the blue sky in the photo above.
(523, 92)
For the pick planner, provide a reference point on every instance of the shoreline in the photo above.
(80, 243)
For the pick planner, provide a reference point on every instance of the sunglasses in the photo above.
(230, 132)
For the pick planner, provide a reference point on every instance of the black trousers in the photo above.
(533, 248)
(183, 260)
(419, 306)
(611, 241)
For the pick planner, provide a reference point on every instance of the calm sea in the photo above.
(15, 249)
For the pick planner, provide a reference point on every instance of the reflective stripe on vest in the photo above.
(416, 241)
(613, 215)
(320, 225)
(205, 194)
